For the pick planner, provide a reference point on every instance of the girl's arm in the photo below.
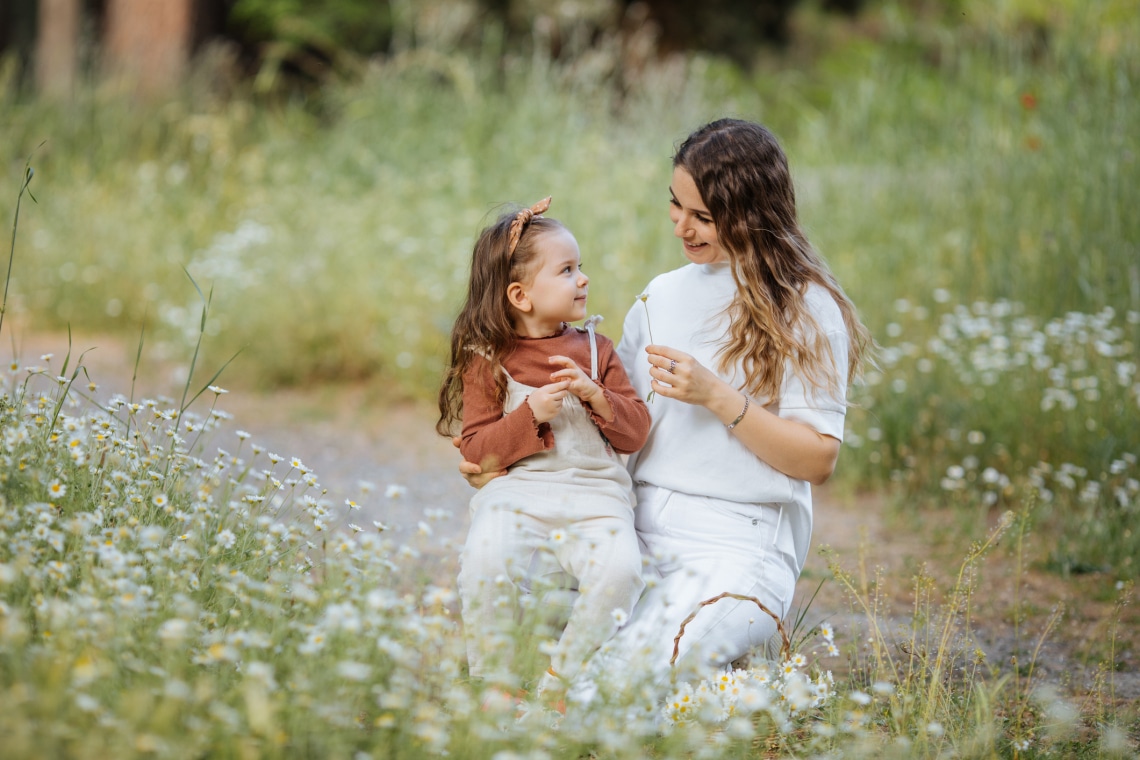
(629, 428)
(794, 448)
(490, 439)
(613, 404)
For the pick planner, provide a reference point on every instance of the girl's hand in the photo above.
(679, 376)
(580, 383)
(546, 402)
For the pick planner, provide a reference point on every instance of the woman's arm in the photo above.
(793, 448)
(473, 473)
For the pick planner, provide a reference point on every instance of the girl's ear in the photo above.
(518, 298)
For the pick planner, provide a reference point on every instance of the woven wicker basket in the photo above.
(785, 645)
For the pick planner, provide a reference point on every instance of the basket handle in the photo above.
(785, 646)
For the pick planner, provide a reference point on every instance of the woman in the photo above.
(753, 345)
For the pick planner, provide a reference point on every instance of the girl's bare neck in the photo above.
(536, 328)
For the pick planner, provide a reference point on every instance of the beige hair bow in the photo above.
(521, 220)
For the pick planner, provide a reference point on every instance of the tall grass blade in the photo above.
(138, 356)
(215, 376)
(198, 345)
(29, 172)
(67, 358)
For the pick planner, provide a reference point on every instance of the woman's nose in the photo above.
(680, 227)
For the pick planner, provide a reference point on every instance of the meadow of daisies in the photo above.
(170, 588)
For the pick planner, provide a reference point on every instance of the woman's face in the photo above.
(692, 221)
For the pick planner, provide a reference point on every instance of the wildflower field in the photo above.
(170, 587)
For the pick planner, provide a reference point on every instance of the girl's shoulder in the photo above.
(582, 335)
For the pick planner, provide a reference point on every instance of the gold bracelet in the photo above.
(743, 412)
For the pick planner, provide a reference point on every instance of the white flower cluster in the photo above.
(736, 698)
(988, 403)
(132, 563)
(994, 344)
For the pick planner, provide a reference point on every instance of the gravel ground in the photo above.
(354, 434)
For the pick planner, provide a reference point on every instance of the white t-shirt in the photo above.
(689, 450)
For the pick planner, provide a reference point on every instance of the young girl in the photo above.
(550, 404)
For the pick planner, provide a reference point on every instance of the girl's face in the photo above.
(692, 221)
(557, 286)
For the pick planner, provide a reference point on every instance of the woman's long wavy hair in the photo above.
(485, 326)
(742, 175)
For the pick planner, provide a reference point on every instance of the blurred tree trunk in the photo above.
(148, 41)
(17, 36)
(57, 47)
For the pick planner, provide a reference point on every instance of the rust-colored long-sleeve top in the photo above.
(496, 441)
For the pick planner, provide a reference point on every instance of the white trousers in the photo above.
(510, 549)
(700, 548)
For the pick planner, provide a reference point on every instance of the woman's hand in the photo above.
(472, 472)
(793, 448)
(677, 375)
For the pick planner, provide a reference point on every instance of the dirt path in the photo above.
(350, 434)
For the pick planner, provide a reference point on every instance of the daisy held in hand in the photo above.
(550, 405)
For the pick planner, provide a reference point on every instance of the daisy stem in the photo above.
(649, 325)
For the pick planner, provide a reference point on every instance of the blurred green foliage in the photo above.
(314, 40)
(363, 27)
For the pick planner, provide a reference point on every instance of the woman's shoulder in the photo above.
(822, 306)
(674, 278)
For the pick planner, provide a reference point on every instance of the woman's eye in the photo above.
(673, 202)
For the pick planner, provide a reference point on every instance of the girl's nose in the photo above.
(583, 279)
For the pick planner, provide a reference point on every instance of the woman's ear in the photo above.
(518, 298)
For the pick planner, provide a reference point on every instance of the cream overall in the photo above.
(566, 510)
